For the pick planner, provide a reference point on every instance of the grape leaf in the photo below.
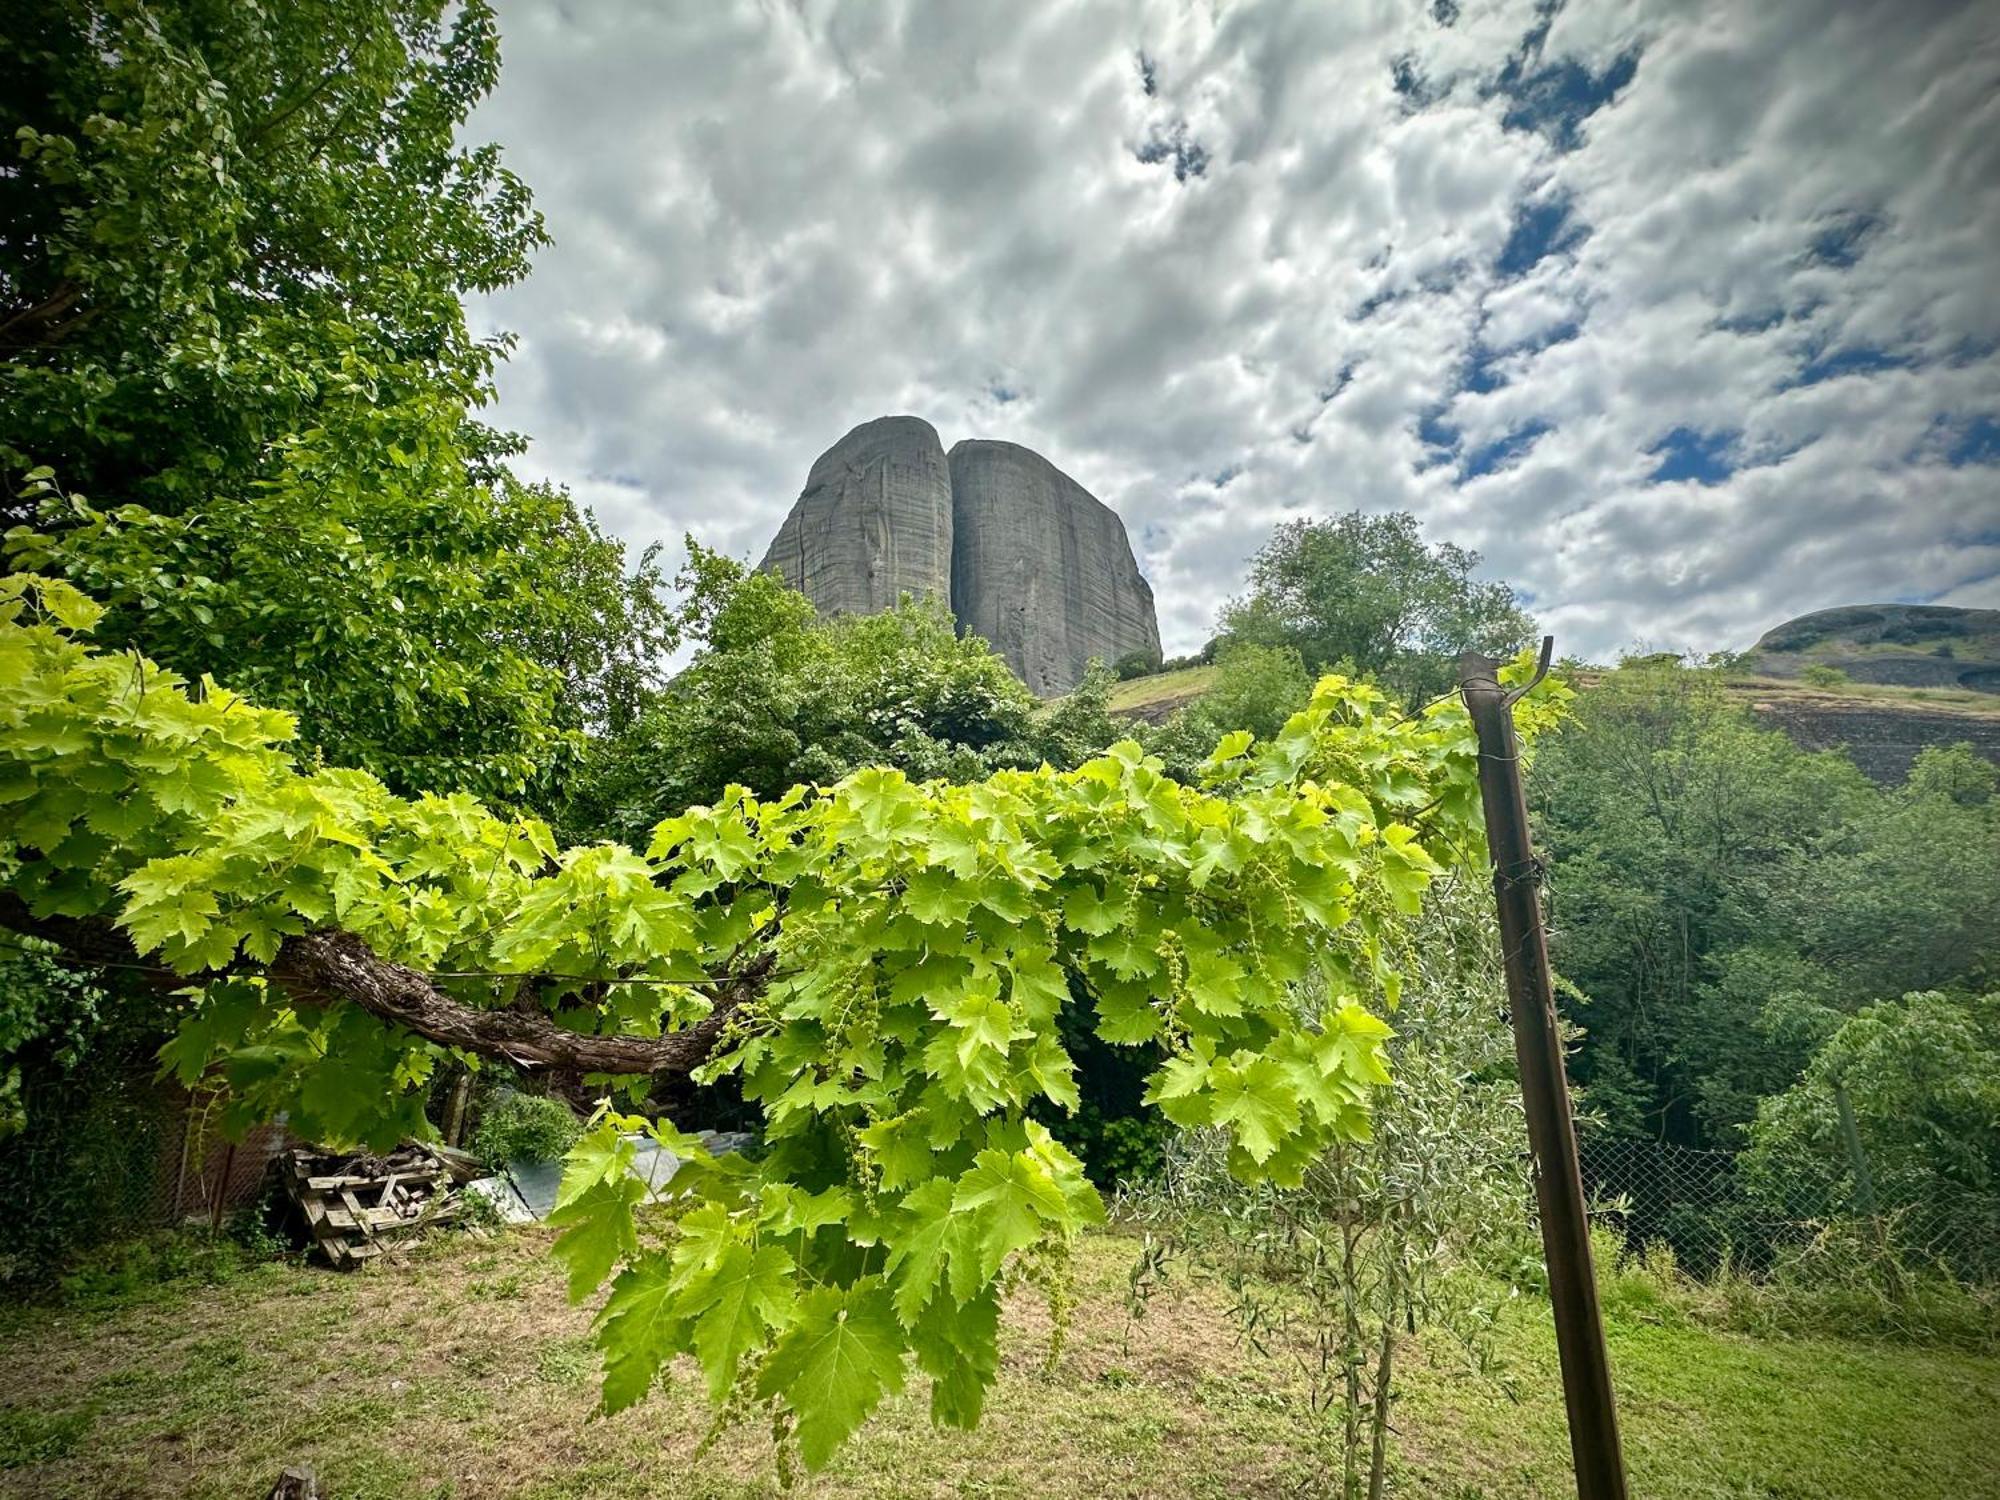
(747, 1293)
(1257, 1101)
(598, 1232)
(841, 1355)
(638, 1331)
(1014, 1196)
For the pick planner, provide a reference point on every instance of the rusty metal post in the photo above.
(1586, 1369)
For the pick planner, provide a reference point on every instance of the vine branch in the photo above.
(319, 968)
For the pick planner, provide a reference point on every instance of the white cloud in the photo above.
(775, 221)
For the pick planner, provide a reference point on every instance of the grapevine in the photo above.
(879, 963)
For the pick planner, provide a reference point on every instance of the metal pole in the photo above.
(1586, 1369)
(1850, 1137)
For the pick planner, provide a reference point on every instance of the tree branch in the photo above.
(318, 968)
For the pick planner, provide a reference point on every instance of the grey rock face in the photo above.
(873, 523)
(1042, 569)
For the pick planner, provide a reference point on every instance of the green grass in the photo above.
(1162, 689)
(425, 1379)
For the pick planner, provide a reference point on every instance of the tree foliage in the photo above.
(1256, 688)
(1368, 595)
(1922, 1076)
(904, 950)
(1723, 899)
(1385, 1236)
(775, 696)
(238, 388)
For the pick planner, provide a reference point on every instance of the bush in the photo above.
(1921, 1079)
(523, 1127)
(1256, 688)
(1820, 675)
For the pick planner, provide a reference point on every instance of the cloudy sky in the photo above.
(1686, 316)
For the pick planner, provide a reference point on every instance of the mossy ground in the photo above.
(461, 1371)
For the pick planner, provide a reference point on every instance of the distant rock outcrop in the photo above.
(873, 523)
(1042, 569)
(1907, 645)
(1020, 553)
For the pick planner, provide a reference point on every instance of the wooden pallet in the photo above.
(356, 1205)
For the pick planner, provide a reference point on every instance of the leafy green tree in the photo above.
(48, 1016)
(1922, 1079)
(1672, 825)
(1723, 899)
(1257, 688)
(775, 696)
(1906, 893)
(1080, 724)
(238, 389)
(1369, 594)
(1381, 1238)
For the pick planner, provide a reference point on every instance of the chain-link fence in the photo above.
(107, 1153)
(1698, 1203)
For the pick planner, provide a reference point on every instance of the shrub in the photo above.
(1821, 675)
(523, 1127)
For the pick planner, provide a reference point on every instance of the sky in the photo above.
(1686, 317)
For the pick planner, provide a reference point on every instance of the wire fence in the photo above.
(1698, 1203)
(108, 1154)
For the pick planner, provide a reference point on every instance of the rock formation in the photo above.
(1907, 645)
(1042, 569)
(1021, 553)
(1946, 658)
(873, 523)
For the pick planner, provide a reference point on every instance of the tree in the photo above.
(238, 390)
(1367, 593)
(775, 696)
(1670, 822)
(1391, 1234)
(882, 966)
(1257, 688)
(1721, 899)
(1922, 1080)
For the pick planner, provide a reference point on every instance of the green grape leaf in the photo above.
(598, 1232)
(957, 1344)
(1014, 1198)
(919, 1252)
(638, 1331)
(841, 1355)
(602, 1155)
(1088, 912)
(1257, 1101)
(1180, 1089)
(746, 1294)
(933, 897)
(902, 1148)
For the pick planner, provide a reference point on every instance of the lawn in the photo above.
(461, 1371)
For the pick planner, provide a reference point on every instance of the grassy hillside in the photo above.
(1904, 645)
(1155, 697)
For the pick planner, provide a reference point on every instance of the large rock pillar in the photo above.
(1042, 569)
(874, 521)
